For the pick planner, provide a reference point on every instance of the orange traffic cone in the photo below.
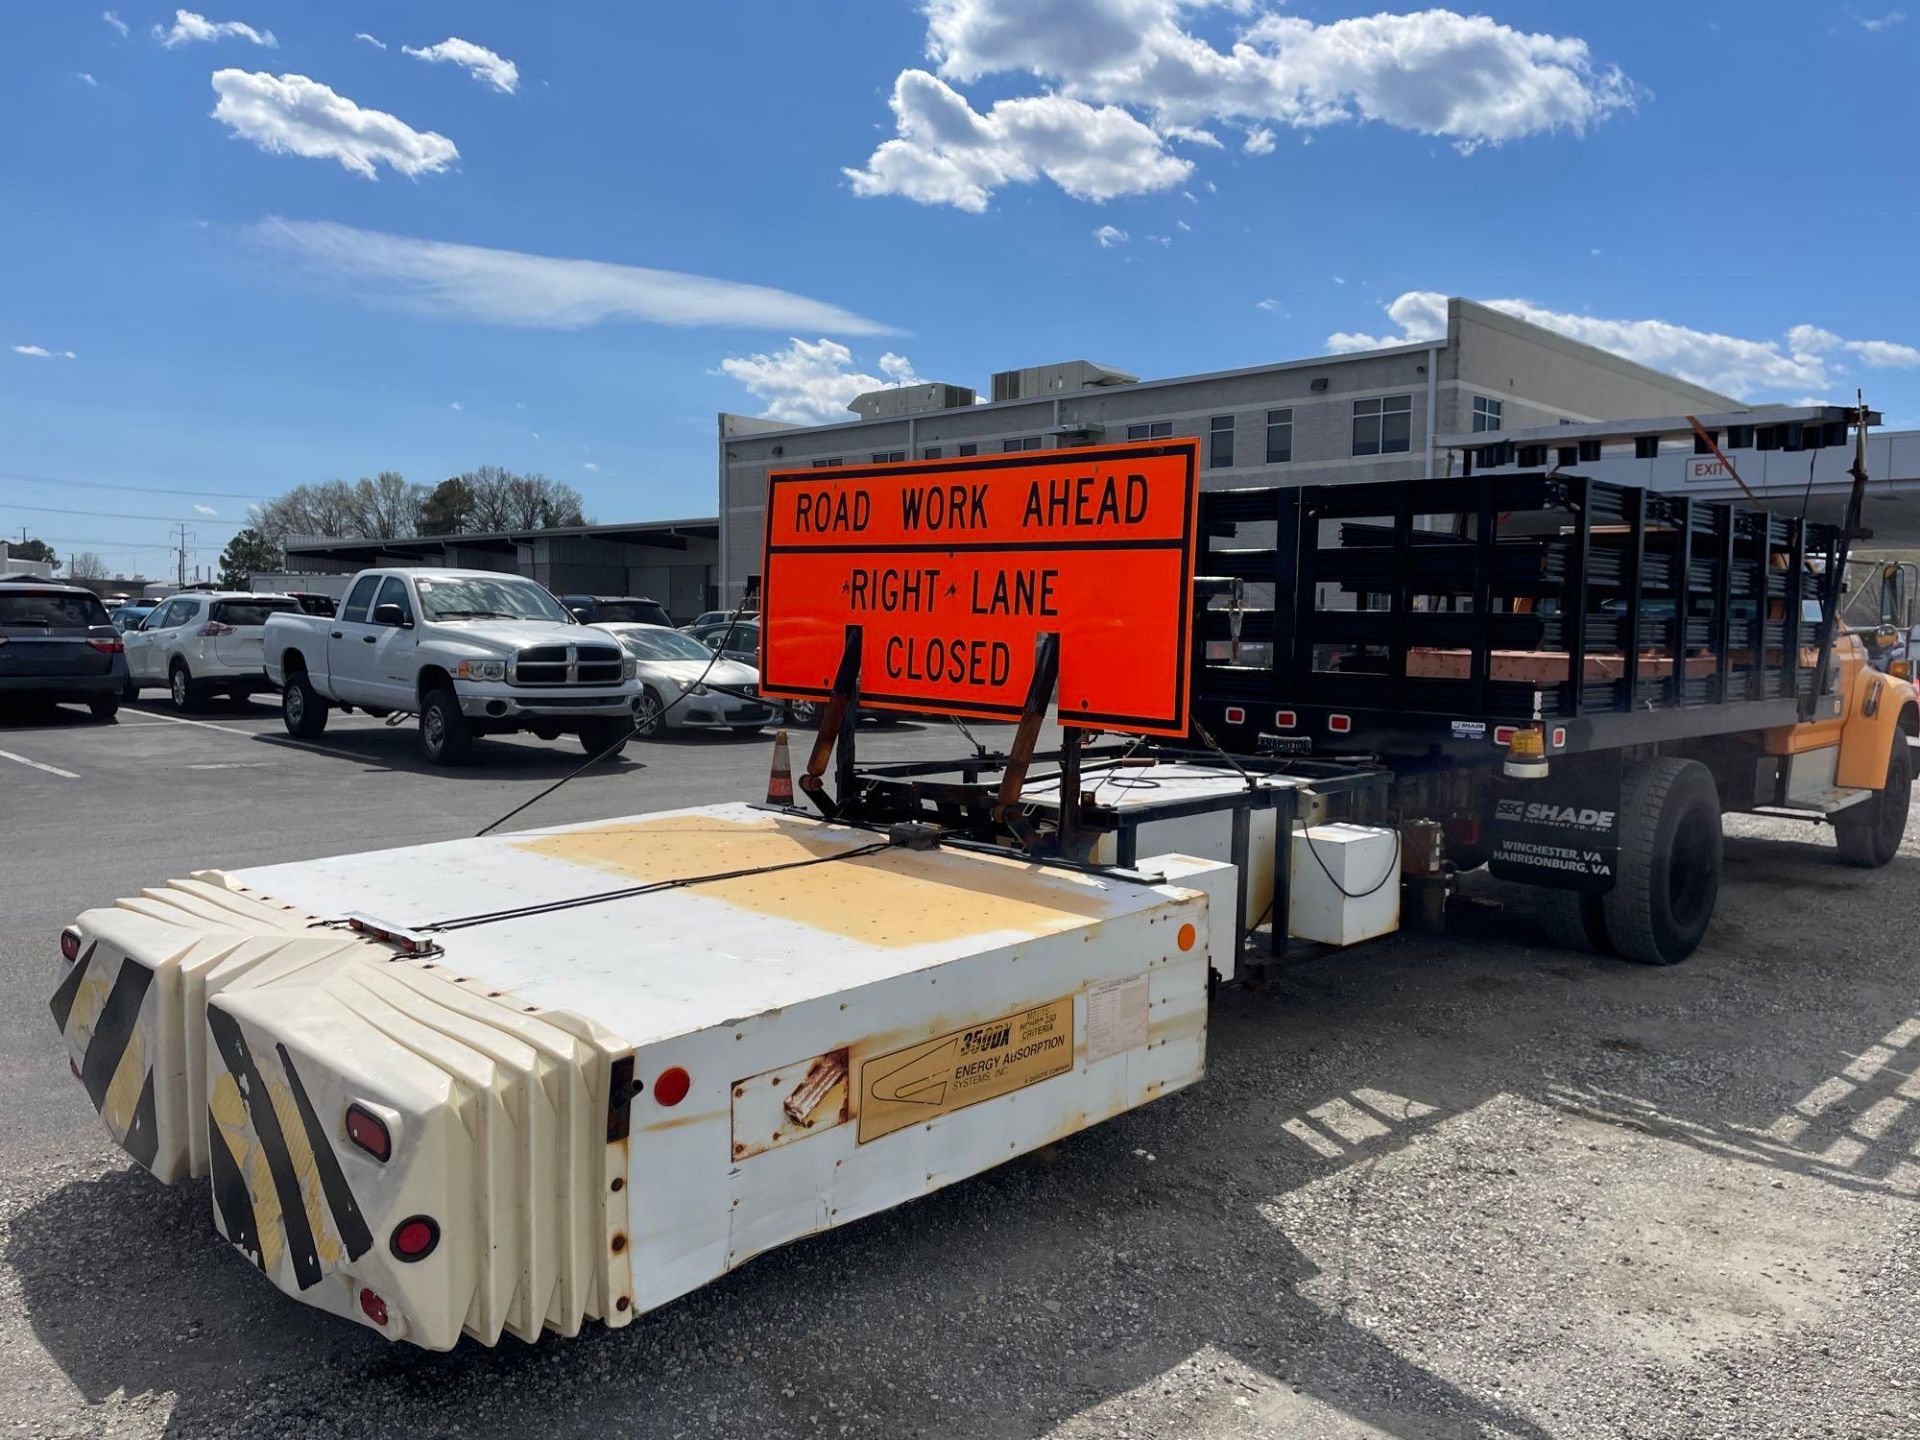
(780, 780)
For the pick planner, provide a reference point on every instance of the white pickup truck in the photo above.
(471, 652)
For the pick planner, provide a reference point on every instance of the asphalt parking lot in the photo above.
(1469, 1186)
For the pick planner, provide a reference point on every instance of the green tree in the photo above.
(31, 550)
(448, 509)
(248, 552)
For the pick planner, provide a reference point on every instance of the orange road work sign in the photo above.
(953, 568)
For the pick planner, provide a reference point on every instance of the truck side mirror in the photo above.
(391, 614)
(579, 613)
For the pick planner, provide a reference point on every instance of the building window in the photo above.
(1486, 414)
(1766, 437)
(929, 452)
(1383, 426)
(883, 457)
(970, 448)
(1567, 455)
(1646, 447)
(1703, 444)
(823, 464)
(1025, 442)
(1152, 430)
(1533, 457)
(1589, 451)
(1279, 436)
(1220, 442)
(1488, 456)
(1739, 437)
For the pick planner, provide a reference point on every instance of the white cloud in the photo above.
(1468, 79)
(456, 405)
(205, 509)
(588, 465)
(1110, 236)
(85, 78)
(508, 287)
(189, 28)
(115, 21)
(1269, 304)
(478, 61)
(292, 115)
(809, 382)
(1181, 225)
(40, 352)
(1729, 363)
(947, 153)
(1161, 240)
(1881, 22)
(365, 38)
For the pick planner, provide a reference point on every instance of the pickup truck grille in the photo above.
(568, 665)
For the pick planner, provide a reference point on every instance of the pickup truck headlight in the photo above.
(629, 667)
(483, 669)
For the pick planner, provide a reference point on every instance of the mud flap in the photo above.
(1562, 832)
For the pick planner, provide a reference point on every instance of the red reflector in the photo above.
(373, 1307)
(70, 944)
(1235, 715)
(1503, 734)
(1339, 724)
(414, 1239)
(1285, 719)
(1559, 737)
(369, 1132)
(107, 647)
(672, 1086)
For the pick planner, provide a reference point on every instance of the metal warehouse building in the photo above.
(1371, 415)
(672, 561)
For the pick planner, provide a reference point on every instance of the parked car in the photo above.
(200, 643)
(132, 613)
(720, 617)
(471, 652)
(741, 637)
(611, 609)
(58, 646)
(684, 685)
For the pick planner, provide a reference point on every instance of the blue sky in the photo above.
(335, 253)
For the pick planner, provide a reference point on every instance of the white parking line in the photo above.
(36, 765)
(270, 739)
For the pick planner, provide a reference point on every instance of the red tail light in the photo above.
(672, 1086)
(106, 646)
(369, 1132)
(373, 1307)
(70, 944)
(214, 627)
(414, 1239)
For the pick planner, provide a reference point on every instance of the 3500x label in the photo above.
(963, 1067)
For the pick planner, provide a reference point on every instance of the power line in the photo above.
(118, 515)
(137, 489)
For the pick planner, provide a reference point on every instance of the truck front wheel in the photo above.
(444, 735)
(605, 737)
(302, 710)
(1669, 871)
(1874, 838)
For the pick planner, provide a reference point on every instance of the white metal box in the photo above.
(1345, 884)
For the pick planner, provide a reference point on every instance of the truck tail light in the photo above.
(373, 1307)
(70, 944)
(1235, 715)
(369, 1132)
(414, 1238)
(1340, 724)
(1285, 719)
(106, 645)
(214, 627)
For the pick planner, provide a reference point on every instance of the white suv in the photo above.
(201, 642)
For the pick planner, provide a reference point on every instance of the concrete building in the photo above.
(1371, 415)
(672, 561)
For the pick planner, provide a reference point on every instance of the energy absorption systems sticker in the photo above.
(952, 1071)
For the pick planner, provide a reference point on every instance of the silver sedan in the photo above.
(684, 685)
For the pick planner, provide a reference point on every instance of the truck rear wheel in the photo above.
(444, 735)
(1874, 839)
(1669, 872)
(1574, 921)
(302, 710)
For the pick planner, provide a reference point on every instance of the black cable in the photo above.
(1393, 869)
(602, 897)
(626, 735)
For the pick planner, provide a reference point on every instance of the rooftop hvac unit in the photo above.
(911, 400)
(1039, 382)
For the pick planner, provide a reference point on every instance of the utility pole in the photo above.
(180, 566)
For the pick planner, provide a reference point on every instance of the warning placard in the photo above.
(953, 568)
(950, 1072)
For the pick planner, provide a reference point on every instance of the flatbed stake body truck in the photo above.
(506, 1085)
(1567, 680)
